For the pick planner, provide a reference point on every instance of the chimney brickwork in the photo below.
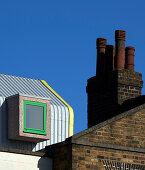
(115, 81)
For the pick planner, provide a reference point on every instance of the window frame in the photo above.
(30, 130)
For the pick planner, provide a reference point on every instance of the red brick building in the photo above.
(115, 138)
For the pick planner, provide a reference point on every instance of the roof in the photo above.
(75, 139)
(11, 85)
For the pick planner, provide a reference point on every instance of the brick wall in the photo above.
(119, 141)
(62, 156)
(107, 94)
(87, 157)
(129, 84)
(128, 131)
(80, 157)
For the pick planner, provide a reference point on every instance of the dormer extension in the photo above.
(58, 127)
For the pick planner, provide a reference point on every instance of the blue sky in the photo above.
(56, 41)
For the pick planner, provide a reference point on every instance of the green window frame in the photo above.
(29, 130)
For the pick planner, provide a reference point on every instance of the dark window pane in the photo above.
(34, 117)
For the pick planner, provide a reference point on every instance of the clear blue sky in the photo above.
(56, 41)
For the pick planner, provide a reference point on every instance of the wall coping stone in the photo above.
(109, 146)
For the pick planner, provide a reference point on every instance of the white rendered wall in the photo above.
(13, 161)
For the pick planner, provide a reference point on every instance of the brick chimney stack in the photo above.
(109, 55)
(115, 82)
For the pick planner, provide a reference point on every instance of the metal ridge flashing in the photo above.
(71, 117)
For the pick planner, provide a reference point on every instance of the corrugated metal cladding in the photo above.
(11, 85)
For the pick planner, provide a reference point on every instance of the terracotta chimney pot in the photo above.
(129, 58)
(100, 45)
(120, 48)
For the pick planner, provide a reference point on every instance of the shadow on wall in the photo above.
(4, 141)
(132, 103)
(45, 163)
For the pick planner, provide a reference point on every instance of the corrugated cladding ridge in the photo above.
(11, 85)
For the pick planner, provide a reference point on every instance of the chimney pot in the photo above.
(101, 42)
(120, 34)
(101, 45)
(120, 48)
(129, 58)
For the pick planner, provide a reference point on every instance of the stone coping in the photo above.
(110, 146)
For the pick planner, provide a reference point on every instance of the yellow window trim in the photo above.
(71, 116)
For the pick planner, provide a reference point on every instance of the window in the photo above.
(34, 117)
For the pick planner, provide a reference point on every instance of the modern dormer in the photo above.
(32, 114)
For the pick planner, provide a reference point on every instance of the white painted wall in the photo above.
(13, 161)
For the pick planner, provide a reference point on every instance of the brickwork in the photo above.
(129, 84)
(128, 131)
(86, 157)
(80, 157)
(106, 95)
(119, 141)
(62, 157)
